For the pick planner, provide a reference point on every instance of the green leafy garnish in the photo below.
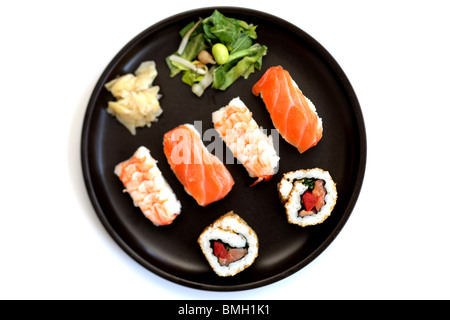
(237, 36)
(309, 183)
(247, 61)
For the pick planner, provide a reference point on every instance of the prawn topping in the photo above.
(247, 141)
(147, 187)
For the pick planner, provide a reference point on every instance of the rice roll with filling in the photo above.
(229, 245)
(308, 196)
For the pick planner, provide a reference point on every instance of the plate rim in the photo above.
(344, 81)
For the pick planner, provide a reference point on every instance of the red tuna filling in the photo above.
(226, 254)
(309, 200)
(313, 200)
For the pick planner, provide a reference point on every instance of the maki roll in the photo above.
(229, 245)
(308, 196)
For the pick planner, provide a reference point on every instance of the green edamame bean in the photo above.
(220, 53)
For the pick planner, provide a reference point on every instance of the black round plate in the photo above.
(172, 251)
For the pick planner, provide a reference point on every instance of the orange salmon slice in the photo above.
(293, 115)
(201, 173)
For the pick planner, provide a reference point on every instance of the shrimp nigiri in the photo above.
(248, 143)
(147, 187)
(202, 174)
(293, 115)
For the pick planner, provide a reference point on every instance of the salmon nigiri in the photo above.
(202, 174)
(293, 115)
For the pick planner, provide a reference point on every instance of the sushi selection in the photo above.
(308, 196)
(246, 140)
(147, 187)
(137, 103)
(202, 174)
(229, 245)
(293, 115)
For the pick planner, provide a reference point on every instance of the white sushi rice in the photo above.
(261, 145)
(234, 231)
(291, 189)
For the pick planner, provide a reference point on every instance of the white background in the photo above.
(396, 242)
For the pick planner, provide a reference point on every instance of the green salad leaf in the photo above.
(247, 61)
(245, 57)
(193, 47)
